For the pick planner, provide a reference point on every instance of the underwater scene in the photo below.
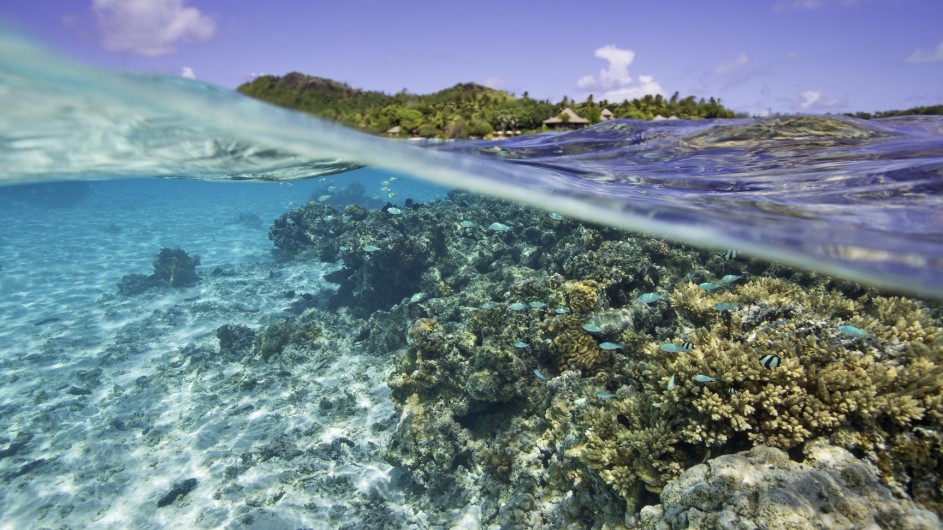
(221, 314)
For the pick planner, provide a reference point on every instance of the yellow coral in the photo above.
(577, 350)
(582, 295)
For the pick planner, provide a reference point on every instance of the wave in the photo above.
(855, 199)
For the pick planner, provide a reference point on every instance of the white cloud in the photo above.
(150, 27)
(187, 72)
(921, 55)
(615, 83)
(812, 100)
(728, 67)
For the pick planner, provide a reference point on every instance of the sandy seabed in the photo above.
(109, 404)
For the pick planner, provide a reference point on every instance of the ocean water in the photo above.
(111, 401)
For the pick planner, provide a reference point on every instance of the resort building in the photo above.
(566, 120)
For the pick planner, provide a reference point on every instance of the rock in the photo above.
(180, 489)
(763, 488)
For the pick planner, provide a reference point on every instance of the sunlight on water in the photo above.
(860, 200)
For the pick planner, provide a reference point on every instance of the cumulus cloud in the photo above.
(150, 27)
(187, 72)
(921, 55)
(812, 100)
(615, 83)
(728, 67)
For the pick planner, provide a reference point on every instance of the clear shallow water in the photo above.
(856, 199)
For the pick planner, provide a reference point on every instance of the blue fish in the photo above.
(710, 286)
(602, 394)
(499, 227)
(520, 344)
(555, 216)
(853, 331)
(648, 298)
(609, 346)
(487, 305)
(730, 278)
(701, 378)
(674, 348)
(540, 374)
(592, 328)
(538, 304)
(468, 224)
(671, 382)
(517, 306)
(561, 311)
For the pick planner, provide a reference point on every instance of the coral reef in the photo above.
(507, 398)
(764, 488)
(173, 267)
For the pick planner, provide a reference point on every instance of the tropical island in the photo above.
(464, 110)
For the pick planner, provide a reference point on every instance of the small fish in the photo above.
(555, 216)
(731, 391)
(561, 311)
(394, 211)
(771, 360)
(499, 227)
(725, 306)
(415, 298)
(853, 331)
(343, 248)
(648, 298)
(370, 248)
(328, 218)
(730, 254)
(602, 394)
(701, 378)
(674, 348)
(710, 286)
(540, 374)
(520, 344)
(385, 182)
(468, 224)
(730, 278)
(538, 304)
(331, 188)
(610, 346)
(592, 328)
(624, 421)
(487, 305)
(323, 198)
(392, 195)
(517, 306)
(671, 382)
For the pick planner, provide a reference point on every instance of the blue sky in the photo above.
(808, 56)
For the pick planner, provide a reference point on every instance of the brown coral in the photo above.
(582, 296)
(576, 349)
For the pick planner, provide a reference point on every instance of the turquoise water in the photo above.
(365, 347)
(847, 197)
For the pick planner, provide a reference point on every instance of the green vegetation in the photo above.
(467, 109)
(928, 110)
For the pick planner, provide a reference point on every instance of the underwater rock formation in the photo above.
(173, 267)
(532, 378)
(764, 488)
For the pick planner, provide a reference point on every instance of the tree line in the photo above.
(464, 110)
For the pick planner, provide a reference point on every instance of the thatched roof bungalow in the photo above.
(566, 120)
